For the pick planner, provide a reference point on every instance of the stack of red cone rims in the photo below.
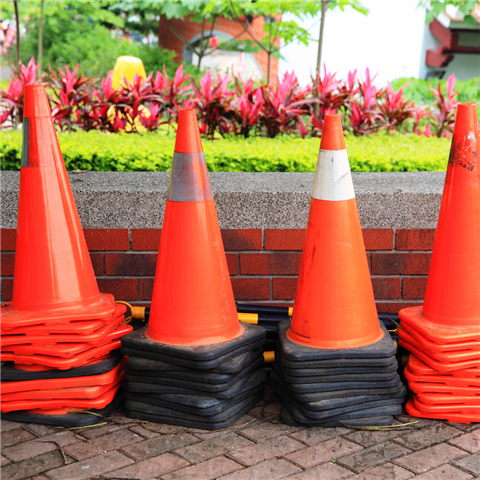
(60, 337)
(443, 335)
(337, 361)
(194, 364)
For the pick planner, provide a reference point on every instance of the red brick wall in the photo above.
(189, 29)
(263, 264)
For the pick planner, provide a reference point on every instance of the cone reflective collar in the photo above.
(451, 310)
(334, 304)
(192, 302)
(54, 280)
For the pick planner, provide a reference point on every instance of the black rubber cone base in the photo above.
(69, 419)
(199, 356)
(332, 386)
(246, 383)
(317, 372)
(225, 419)
(10, 373)
(231, 366)
(276, 379)
(383, 348)
(382, 421)
(204, 381)
(193, 404)
(337, 363)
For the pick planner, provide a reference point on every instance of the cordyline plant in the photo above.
(395, 109)
(442, 112)
(11, 100)
(284, 102)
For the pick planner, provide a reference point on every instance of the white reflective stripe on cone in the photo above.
(333, 178)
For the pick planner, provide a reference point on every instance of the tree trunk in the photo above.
(17, 19)
(320, 36)
(268, 67)
(40, 38)
(201, 50)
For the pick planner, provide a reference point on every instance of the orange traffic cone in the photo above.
(54, 280)
(451, 310)
(192, 301)
(334, 305)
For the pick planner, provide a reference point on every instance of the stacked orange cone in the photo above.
(58, 325)
(443, 335)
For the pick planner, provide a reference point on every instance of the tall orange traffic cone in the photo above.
(451, 310)
(54, 280)
(192, 300)
(332, 351)
(334, 304)
(193, 320)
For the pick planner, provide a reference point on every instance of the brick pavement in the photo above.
(257, 447)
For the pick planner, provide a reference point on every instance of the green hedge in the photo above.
(153, 152)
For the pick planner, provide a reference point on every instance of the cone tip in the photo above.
(332, 136)
(36, 102)
(188, 135)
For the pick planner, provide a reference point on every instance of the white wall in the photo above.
(388, 41)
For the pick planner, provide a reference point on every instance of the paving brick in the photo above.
(146, 239)
(62, 438)
(315, 435)
(144, 432)
(107, 240)
(163, 428)
(270, 263)
(7, 289)
(4, 460)
(445, 472)
(99, 431)
(146, 288)
(326, 471)
(378, 238)
(471, 463)
(232, 262)
(91, 467)
(131, 264)
(427, 437)
(251, 288)
(236, 240)
(158, 445)
(430, 458)
(373, 456)
(97, 263)
(40, 430)
(271, 470)
(7, 425)
(8, 239)
(288, 239)
(211, 448)
(7, 263)
(266, 431)
(386, 287)
(323, 452)
(387, 471)
(277, 447)
(121, 288)
(100, 445)
(414, 287)
(32, 466)
(247, 421)
(284, 288)
(15, 436)
(209, 470)
(367, 438)
(151, 468)
(415, 239)
(29, 449)
(400, 263)
(469, 441)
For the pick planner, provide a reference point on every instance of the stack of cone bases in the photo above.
(58, 327)
(336, 364)
(194, 364)
(443, 335)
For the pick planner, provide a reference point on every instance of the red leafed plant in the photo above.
(395, 109)
(442, 112)
(11, 100)
(73, 99)
(212, 102)
(284, 102)
(247, 106)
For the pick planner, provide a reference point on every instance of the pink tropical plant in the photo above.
(247, 106)
(442, 112)
(395, 109)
